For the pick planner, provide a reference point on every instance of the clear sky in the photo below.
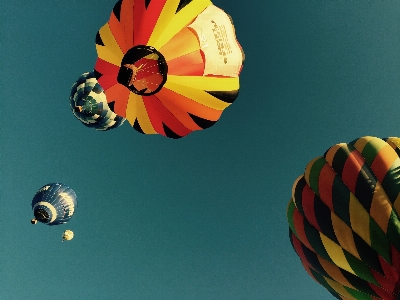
(203, 217)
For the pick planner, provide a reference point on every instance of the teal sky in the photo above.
(203, 217)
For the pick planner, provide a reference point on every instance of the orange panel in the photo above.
(182, 43)
(118, 33)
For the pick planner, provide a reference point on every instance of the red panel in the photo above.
(307, 201)
(107, 81)
(351, 169)
(396, 261)
(146, 19)
(153, 114)
(154, 106)
(127, 21)
(298, 221)
(383, 294)
(118, 33)
(106, 68)
(325, 185)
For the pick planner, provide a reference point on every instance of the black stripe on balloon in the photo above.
(226, 96)
(111, 105)
(147, 3)
(169, 133)
(368, 255)
(99, 41)
(117, 10)
(358, 283)
(298, 194)
(365, 187)
(338, 160)
(97, 74)
(291, 234)
(313, 260)
(321, 280)
(203, 123)
(323, 215)
(341, 200)
(314, 238)
(137, 127)
(182, 4)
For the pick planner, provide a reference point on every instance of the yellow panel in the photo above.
(334, 272)
(206, 83)
(109, 41)
(166, 27)
(198, 96)
(108, 56)
(340, 289)
(344, 234)
(359, 219)
(381, 208)
(165, 17)
(136, 109)
(335, 252)
(395, 141)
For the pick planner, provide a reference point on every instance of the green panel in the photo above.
(379, 241)
(360, 268)
(314, 174)
(358, 295)
(369, 152)
(393, 231)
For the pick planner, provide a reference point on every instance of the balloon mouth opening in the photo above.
(143, 70)
(41, 215)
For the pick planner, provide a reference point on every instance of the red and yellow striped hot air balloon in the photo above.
(168, 66)
(344, 219)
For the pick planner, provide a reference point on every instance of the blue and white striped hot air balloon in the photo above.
(54, 204)
(88, 103)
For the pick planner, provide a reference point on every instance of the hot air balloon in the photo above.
(54, 204)
(169, 67)
(89, 104)
(344, 219)
(67, 235)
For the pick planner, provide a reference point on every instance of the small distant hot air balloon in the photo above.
(67, 235)
(89, 104)
(169, 67)
(344, 219)
(54, 204)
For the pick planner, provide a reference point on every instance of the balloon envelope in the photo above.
(169, 67)
(54, 204)
(68, 235)
(344, 219)
(89, 104)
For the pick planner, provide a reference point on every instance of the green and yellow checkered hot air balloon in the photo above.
(169, 67)
(344, 219)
